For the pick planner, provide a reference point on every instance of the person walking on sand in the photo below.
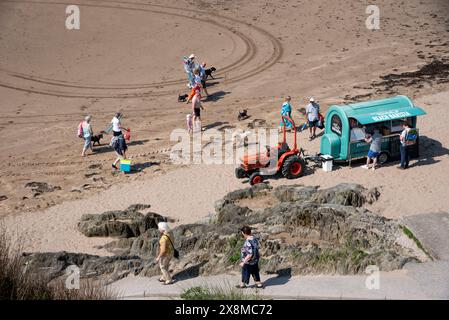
(375, 141)
(286, 111)
(196, 86)
(120, 147)
(203, 76)
(249, 259)
(312, 111)
(116, 124)
(189, 64)
(87, 135)
(196, 110)
(166, 252)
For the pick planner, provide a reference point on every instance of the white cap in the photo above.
(312, 100)
(163, 226)
(192, 56)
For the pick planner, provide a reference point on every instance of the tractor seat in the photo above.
(283, 148)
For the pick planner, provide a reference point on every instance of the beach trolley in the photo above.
(347, 125)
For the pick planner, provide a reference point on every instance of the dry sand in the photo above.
(188, 194)
(127, 56)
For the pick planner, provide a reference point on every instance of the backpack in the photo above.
(80, 130)
(411, 137)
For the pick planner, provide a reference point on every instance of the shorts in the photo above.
(372, 154)
(197, 112)
(203, 83)
(313, 123)
(87, 142)
(117, 133)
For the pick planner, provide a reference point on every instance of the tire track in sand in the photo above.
(60, 88)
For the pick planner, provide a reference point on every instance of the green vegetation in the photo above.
(348, 258)
(18, 284)
(234, 246)
(217, 293)
(262, 262)
(410, 234)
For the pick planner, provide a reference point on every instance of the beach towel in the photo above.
(286, 111)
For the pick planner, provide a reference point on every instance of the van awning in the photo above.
(387, 115)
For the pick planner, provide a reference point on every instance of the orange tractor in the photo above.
(284, 160)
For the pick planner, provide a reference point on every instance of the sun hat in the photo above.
(312, 100)
(163, 226)
(192, 56)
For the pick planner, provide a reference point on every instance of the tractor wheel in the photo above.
(240, 173)
(293, 167)
(255, 178)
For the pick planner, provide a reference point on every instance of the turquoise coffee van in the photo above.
(346, 126)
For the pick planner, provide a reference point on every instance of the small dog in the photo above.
(96, 138)
(182, 98)
(243, 115)
(209, 72)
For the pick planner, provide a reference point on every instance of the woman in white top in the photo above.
(116, 125)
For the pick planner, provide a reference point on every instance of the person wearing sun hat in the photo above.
(166, 252)
(189, 65)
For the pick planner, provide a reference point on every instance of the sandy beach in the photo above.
(120, 59)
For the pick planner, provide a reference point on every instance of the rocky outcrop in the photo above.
(309, 231)
(54, 265)
(126, 223)
(347, 194)
(39, 188)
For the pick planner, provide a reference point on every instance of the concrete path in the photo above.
(417, 281)
(429, 280)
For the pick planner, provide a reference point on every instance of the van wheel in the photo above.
(255, 178)
(293, 167)
(383, 158)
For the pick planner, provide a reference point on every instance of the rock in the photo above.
(3, 198)
(107, 268)
(347, 194)
(258, 189)
(294, 193)
(126, 223)
(230, 212)
(41, 187)
(310, 231)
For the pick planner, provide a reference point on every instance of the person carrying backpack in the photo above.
(407, 138)
(249, 259)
